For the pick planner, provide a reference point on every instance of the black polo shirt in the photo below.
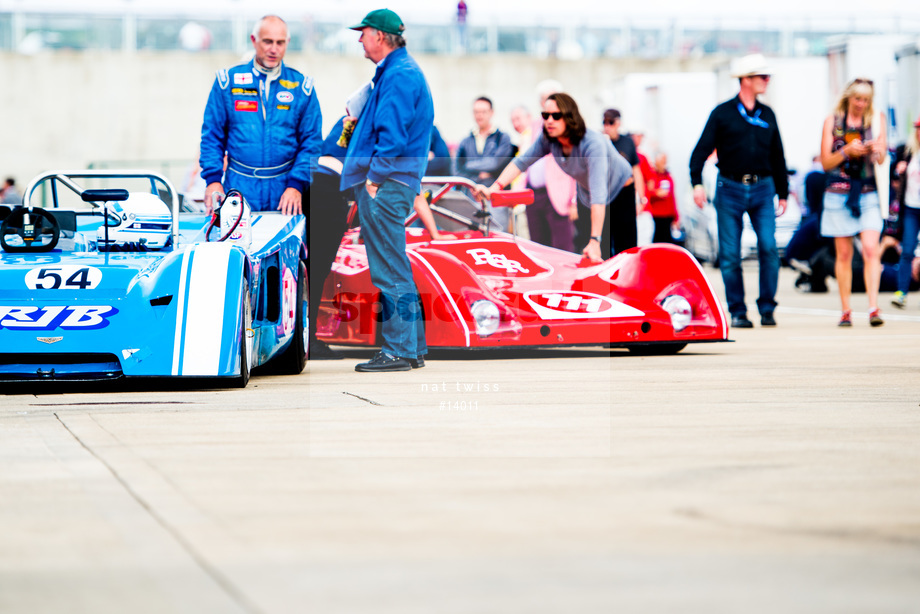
(626, 147)
(744, 146)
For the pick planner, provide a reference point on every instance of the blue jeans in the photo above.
(732, 200)
(911, 220)
(383, 229)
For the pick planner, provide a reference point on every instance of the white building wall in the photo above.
(907, 107)
(65, 110)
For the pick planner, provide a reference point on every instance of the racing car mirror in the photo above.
(29, 229)
(509, 198)
(504, 198)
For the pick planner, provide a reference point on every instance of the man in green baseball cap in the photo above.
(384, 165)
(384, 20)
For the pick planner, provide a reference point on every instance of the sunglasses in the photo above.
(556, 116)
(609, 122)
(764, 77)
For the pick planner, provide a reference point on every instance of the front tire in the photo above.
(657, 349)
(245, 327)
(293, 360)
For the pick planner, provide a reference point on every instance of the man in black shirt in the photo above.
(752, 170)
(623, 233)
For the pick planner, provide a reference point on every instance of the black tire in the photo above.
(293, 360)
(245, 325)
(657, 349)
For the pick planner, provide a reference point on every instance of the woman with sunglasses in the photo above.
(908, 170)
(852, 143)
(586, 156)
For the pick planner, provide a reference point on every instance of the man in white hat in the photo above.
(752, 170)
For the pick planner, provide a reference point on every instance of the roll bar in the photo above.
(93, 196)
(504, 198)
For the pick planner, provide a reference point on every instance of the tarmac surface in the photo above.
(778, 473)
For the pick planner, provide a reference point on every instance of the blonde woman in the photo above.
(908, 169)
(852, 143)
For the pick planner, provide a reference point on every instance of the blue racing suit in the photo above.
(270, 128)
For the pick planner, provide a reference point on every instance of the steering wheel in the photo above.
(38, 230)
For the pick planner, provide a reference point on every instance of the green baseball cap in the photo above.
(384, 20)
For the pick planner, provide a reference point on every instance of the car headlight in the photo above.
(679, 309)
(486, 315)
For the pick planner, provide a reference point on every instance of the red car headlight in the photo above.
(486, 315)
(679, 309)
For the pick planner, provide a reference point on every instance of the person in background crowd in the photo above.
(806, 243)
(662, 203)
(326, 225)
(638, 136)
(438, 156)
(522, 136)
(10, 195)
(462, 11)
(265, 116)
(623, 212)
(438, 166)
(585, 155)
(852, 141)
(752, 170)
(523, 124)
(907, 168)
(385, 162)
(484, 152)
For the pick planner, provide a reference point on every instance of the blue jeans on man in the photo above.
(383, 230)
(732, 201)
(911, 220)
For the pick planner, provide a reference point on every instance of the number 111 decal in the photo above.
(573, 305)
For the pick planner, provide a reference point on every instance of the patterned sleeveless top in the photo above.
(860, 168)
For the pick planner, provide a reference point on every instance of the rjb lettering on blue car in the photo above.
(77, 317)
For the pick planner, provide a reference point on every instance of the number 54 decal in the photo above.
(63, 277)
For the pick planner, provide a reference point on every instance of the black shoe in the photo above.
(417, 363)
(384, 362)
(741, 322)
(320, 351)
(767, 319)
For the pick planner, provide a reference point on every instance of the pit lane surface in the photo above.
(779, 473)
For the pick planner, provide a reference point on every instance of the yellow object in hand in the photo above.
(348, 127)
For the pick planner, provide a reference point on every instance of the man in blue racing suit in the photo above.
(266, 118)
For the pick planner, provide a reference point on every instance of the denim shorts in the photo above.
(837, 221)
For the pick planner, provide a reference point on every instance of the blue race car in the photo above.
(100, 282)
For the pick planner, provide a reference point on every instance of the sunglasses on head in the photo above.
(546, 115)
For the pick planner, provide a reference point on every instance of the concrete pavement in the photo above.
(780, 472)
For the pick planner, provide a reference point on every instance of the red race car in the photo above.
(491, 289)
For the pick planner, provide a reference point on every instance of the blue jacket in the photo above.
(393, 134)
(278, 132)
(496, 154)
(439, 165)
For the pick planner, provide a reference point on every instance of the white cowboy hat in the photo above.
(750, 65)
